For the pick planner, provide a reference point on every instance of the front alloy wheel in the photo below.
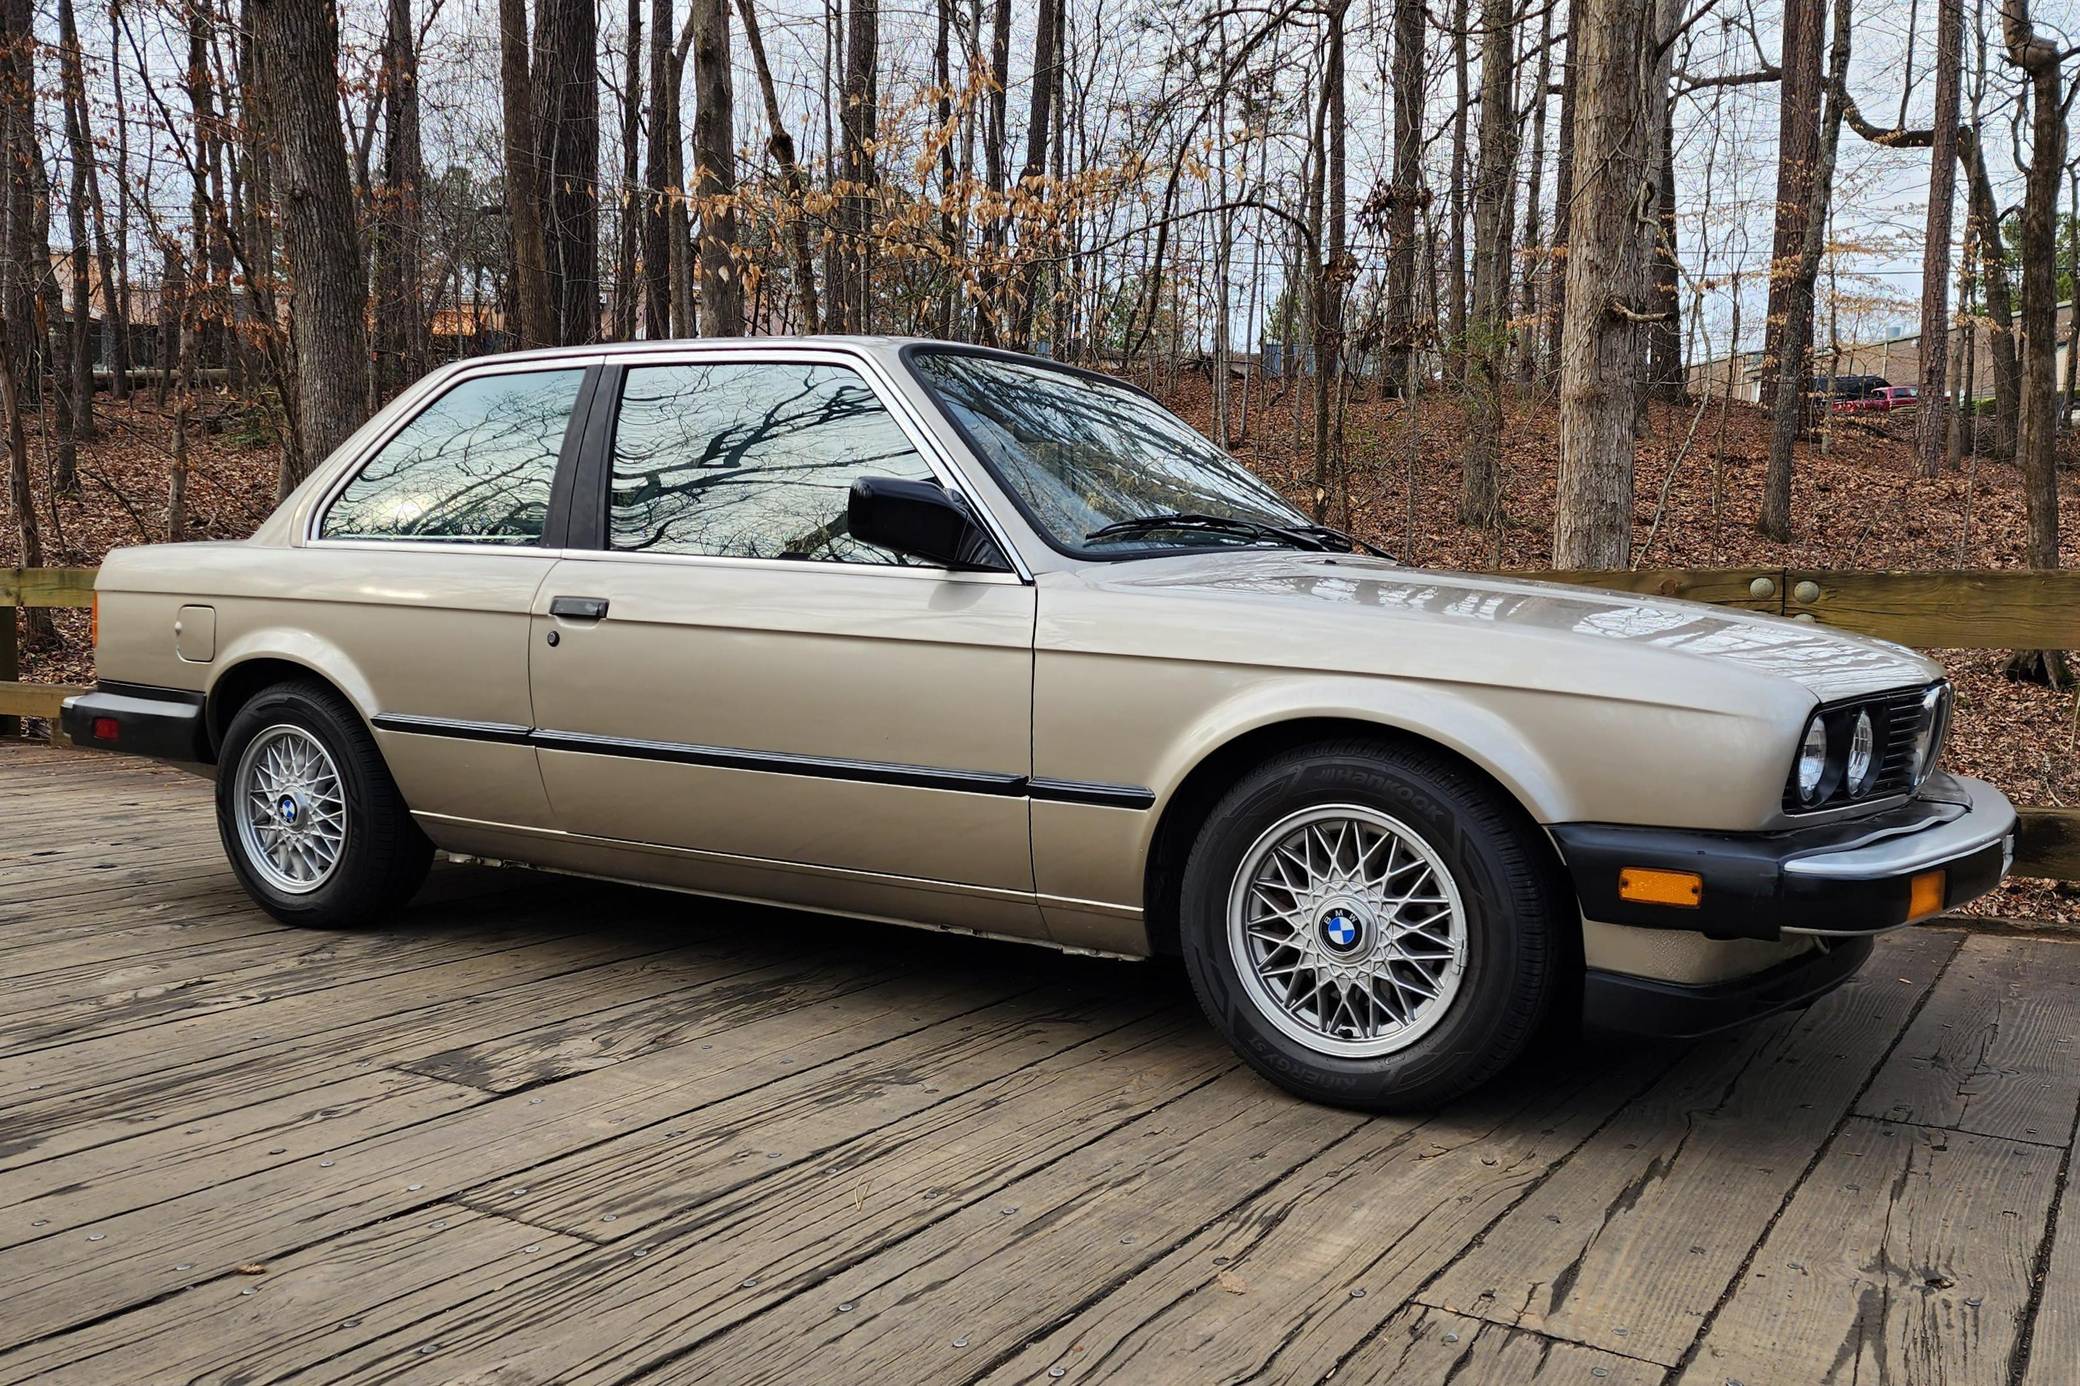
(1373, 924)
(1347, 931)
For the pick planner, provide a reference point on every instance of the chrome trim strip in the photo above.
(1990, 819)
(994, 783)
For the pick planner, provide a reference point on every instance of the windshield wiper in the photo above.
(1349, 541)
(1297, 537)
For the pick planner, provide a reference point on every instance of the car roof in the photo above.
(876, 344)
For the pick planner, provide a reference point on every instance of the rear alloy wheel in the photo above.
(1371, 925)
(315, 828)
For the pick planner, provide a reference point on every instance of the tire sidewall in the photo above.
(294, 706)
(1475, 1025)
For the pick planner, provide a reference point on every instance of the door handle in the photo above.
(578, 608)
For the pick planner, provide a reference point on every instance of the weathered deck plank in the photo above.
(1633, 1242)
(1907, 1256)
(1421, 1344)
(551, 1131)
(1997, 1049)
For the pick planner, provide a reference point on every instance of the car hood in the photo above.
(1828, 663)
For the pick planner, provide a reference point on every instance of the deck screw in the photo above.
(324, 1164)
(608, 1217)
(518, 1192)
(1599, 1372)
(413, 1188)
(185, 1265)
(1007, 1210)
(245, 1292)
(41, 1222)
(440, 1224)
(1358, 1292)
(279, 1150)
(640, 1252)
(750, 1281)
(961, 1341)
(1057, 1371)
(1127, 1240)
(1451, 1337)
(95, 1236)
(846, 1307)
(350, 1323)
(1975, 1301)
(532, 1246)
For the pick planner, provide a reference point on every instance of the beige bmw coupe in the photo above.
(957, 638)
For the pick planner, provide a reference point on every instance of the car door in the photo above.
(729, 675)
(416, 577)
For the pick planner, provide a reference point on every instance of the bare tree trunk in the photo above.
(1528, 340)
(1397, 371)
(635, 205)
(1932, 413)
(1665, 334)
(715, 176)
(1487, 344)
(995, 135)
(1615, 194)
(1554, 310)
(859, 116)
(532, 325)
(80, 339)
(1455, 309)
(400, 315)
(115, 266)
(2042, 61)
(1047, 77)
(1985, 217)
(566, 136)
(1789, 402)
(1798, 150)
(296, 51)
(782, 145)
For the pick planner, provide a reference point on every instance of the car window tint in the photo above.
(750, 460)
(474, 467)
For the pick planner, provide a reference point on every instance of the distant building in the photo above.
(1897, 359)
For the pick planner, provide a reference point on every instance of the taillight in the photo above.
(107, 729)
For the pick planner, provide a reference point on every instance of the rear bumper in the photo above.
(1675, 1010)
(164, 723)
(1836, 880)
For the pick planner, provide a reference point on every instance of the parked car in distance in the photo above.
(958, 638)
(1882, 400)
(1844, 387)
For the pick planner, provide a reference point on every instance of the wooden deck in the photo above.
(551, 1131)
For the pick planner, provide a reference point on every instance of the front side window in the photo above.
(474, 467)
(750, 460)
(1096, 465)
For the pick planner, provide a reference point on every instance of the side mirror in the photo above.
(920, 520)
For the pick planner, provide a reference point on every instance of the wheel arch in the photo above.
(247, 675)
(1185, 810)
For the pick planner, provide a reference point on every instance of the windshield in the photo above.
(1082, 455)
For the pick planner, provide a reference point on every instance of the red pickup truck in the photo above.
(1882, 400)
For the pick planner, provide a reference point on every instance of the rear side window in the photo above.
(474, 467)
(750, 460)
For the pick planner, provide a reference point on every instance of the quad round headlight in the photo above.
(1862, 768)
(1812, 762)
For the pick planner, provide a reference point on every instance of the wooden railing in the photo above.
(1931, 610)
(46, 587)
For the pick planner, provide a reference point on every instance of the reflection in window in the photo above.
(1081, 453)
(750, 460)
(473, 468)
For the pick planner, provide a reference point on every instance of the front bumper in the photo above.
(1835, 880)
(165, 723)
(1676, 1010)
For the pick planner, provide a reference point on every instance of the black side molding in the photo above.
(1123, 796)
(163, 723)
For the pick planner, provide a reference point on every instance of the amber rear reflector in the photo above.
(1925, 895)
(1684, 889)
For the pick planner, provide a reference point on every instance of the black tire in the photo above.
(384, 856)
(1514, 906)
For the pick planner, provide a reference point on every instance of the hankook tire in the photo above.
(1371, 925)
(314, 826)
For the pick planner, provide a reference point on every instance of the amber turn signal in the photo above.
(1925, 895)
(1684, 889)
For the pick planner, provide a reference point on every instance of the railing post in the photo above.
(10, 663)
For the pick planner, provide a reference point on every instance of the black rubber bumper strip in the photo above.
(1673, 1010)
(164, 723)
